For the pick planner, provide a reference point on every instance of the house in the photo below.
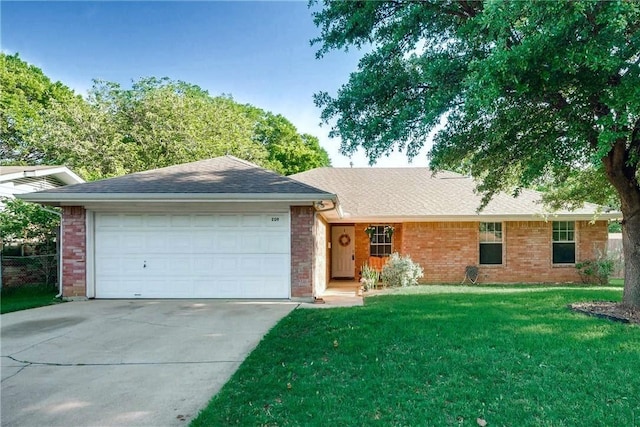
(226, 228)
(26, 179)
(218, 228)
(435, 220)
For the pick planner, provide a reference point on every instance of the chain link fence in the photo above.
(28, 270)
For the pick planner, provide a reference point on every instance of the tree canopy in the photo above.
(29, 223)
(26, 92)
(529, 92)
(154, 123)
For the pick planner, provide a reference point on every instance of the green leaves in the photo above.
(157, 122)
(524, 86)
(27, 222)
(25, 93)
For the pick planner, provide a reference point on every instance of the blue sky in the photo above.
(258, 52)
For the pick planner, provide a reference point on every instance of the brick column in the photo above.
(302, 251)
(74, 252)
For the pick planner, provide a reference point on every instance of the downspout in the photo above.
(59, 248)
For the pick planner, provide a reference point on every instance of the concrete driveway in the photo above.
(133, 363)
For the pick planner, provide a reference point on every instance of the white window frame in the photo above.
(564, 232)
(493, 240)
(381, 234)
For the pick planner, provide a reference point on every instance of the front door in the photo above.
(342, 252)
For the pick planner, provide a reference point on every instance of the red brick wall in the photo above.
(361, 241)
(74, 254)
(593, 239)
(302, 251)
(444, 249)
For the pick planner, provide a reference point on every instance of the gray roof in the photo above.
(205, 179)
(370, 193)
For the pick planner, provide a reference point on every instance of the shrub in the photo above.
(401, 271)
(596, 270)
(370, 277)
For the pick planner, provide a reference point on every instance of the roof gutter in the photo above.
(335, 206)
(480, 217)
(61, 198)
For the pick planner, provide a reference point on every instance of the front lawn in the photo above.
(512, 359)
(24, 297)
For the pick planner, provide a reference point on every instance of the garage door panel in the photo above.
(278, 243)
(159, 242)
(252, 220)
(109, 243)
(154, 221)
(130, 221)
(109, 221)
(192, 256)
(179, 266)
(117, 265)
(224, 242)
(225, 265)
(175, 240)
(227, 220)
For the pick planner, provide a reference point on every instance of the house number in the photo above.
(275, 219)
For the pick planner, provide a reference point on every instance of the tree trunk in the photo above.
(631, 250)
(622, 176)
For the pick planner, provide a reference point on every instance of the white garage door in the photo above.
(192, 256)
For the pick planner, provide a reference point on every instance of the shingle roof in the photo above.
(367, 193)
(218, 176)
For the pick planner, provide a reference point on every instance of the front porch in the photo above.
(341, 293)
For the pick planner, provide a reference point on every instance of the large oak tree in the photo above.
(528, 91)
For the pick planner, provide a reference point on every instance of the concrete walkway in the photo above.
(125, 363)
(339, 294)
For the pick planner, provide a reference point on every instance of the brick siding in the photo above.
(302, 251)
(444, 249)
(74, 254)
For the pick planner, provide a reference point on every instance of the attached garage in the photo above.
(231, 255)
(217, 228)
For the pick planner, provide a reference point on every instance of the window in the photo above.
(380, 245)
(564, 242)
(490, 243)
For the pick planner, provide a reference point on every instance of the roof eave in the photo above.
(481, 217)
(62, 199)
(63, 173)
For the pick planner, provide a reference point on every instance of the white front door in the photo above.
(342, 252)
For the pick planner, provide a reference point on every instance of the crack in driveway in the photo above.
(29, 363)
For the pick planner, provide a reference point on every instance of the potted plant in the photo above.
(371, 231)
(388, 230)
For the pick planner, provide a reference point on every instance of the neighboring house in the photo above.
(226, 228)
(26, 179)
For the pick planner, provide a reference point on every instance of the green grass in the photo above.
(513, 359)
(616, 282)
(22, 298)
